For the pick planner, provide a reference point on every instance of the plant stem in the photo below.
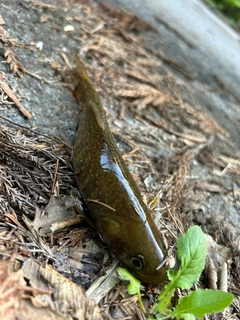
(140, 302)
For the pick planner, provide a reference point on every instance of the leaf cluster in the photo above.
(191, 253)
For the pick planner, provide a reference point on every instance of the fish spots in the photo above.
(114, 202)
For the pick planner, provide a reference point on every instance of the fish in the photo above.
(109, 192)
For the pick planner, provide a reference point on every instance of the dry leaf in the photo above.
(211, 274)
(55, 213)
(76, 255)
(218, 253)
(15, 302)
(68, 296)
(32, 274)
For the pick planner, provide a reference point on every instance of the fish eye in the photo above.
(137, 262)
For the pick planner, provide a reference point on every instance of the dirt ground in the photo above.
(176, 125)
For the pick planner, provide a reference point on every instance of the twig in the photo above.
(55, 180)
(43, 79)
(12, 96)
(99, 202)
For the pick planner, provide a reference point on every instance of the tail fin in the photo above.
(86, 94)
(81, 69)
(84, 86)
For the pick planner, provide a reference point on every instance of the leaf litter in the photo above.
(178, 143)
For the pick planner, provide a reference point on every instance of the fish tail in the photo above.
(86, 93)
(81, 71)
(84, 88)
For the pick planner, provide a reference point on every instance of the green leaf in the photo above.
(201, 302)
(134, 285)
(191, 252)
(187, 316)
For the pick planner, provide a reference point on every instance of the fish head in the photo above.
(140, 248)
(146, 260)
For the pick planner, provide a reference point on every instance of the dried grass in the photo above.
(12, 59)
(27, 169)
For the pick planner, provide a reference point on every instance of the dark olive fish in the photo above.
(114, 202)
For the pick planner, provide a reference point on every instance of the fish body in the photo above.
(115, 206)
